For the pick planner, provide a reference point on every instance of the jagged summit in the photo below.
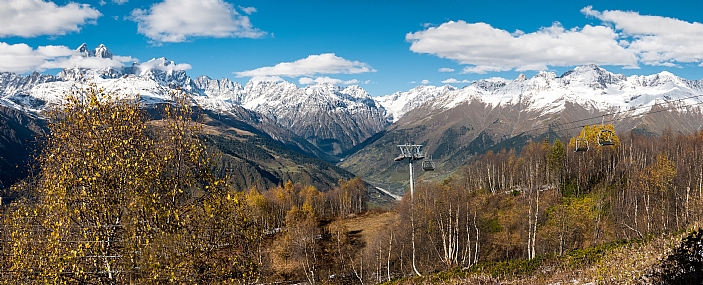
(85, 51)
(101, 51)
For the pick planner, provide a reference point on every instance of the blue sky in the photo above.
(383, 46)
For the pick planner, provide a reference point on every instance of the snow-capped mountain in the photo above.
(329, 121)
(590, 86)
(333, 118)
(455, 124)
(399, 103)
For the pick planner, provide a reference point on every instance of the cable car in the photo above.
(428, 165)
(581, 145)
(605, 137)
(582, 142)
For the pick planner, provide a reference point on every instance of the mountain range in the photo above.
(336, 123)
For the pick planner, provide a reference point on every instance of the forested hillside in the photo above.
(549, 200)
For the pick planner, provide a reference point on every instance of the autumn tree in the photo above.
(120, 199)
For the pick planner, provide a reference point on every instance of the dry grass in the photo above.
(632, 263)
(370, 224)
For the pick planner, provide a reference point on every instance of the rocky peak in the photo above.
(592, 75)
(163, 71)
(85, 51)
(103, 52)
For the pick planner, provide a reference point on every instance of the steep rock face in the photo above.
(102, 52)
(15, 90)
(223, 89)
(399, 103)
(17, 143)
(12, 83)
(331, 117)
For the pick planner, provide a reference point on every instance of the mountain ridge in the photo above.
(337, 121)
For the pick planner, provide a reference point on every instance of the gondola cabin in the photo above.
(428, 165)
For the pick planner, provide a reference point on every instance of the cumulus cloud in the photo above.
(490, 49)
(179, 20)
(327, 63)
(328, 80)
(425, 82)
(31, 18)
(446, 69)
(247, 10)
(163, 65)
(625, 38)
(21, 58)
(453, 81)
(267, 79)
(120, 2)
(656, 40)
(84, 62)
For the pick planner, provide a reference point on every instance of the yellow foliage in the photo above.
(121, 201)
(592, 134)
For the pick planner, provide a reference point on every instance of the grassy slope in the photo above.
(624, 262)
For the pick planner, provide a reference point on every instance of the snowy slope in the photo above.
(589, 86)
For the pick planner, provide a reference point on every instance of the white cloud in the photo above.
(84, 62)
(21, 58)
(625, 38)
(308, 80)
(247, 10)
(31, 18)
(446, 69)
(326, 63)
(425, 82)
(179, 20)
(328, 80)
(454, 81)
(267, 79)
(163, 65)
(120, 2)
(490, 49)
(656, 40)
